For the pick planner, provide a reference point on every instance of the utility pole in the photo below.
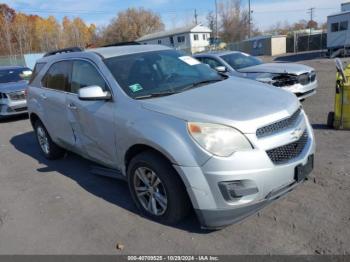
(195, 16)
(250, 20)
(216, 22)
(311, 12)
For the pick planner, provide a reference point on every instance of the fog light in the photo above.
(233, 190)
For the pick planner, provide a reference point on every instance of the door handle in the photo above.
(43, 96)
(72, 106)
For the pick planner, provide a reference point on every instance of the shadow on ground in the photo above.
(9, 119)
(78, 169)
(300, 57)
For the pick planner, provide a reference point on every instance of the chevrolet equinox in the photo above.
(181, 134)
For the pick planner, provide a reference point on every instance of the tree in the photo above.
(7, 15)
(312, 24)
(234, 21)
(211, 21)
(132, 24)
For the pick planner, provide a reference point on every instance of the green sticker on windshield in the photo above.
(135, 88)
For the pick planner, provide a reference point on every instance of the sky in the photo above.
(176, 13)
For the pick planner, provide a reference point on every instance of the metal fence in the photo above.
(306, 42)
(12, 60)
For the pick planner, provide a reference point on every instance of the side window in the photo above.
(37, 69)
(85, 74)
(211, 62)
(57, 77)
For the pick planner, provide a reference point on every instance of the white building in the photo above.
(338, 35)
(193, 38)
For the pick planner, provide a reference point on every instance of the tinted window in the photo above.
(161, 71)
(85, 74)
(37, 69)
(213, 63)
(335, 27)
(343, 26)
(241, 60)
(15, 75)
(57, 77)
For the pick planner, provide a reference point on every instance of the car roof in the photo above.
(12, 67)
(217, 53)
(107, 52)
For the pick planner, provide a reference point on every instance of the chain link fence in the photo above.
(12, 60)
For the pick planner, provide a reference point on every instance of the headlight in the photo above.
(19, 95)
(218, 139)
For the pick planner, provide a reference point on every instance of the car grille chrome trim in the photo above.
(286, 153)
(278, 126)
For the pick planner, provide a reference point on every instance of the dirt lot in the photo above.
(60, 208)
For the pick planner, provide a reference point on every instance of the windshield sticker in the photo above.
(189, 60)
(135, 88)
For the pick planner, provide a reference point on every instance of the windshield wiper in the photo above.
(159, 94)
(201, 83)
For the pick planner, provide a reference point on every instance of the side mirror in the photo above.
(92, 93)
(221, 69)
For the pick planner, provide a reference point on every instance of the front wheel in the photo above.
(157, 189)
(48, 147)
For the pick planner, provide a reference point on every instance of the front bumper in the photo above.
(255, 168)
(11, 108)
(303, 91)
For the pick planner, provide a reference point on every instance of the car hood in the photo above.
(241, 103)
(13, 87)
(278, 68)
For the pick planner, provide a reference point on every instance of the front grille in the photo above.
(278, 126)
(288, 152)
(307, 78)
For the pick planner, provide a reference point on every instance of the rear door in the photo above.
(53, 95)
(92, 121)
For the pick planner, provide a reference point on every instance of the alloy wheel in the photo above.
(150, 191)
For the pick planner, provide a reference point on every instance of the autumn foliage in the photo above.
(21, 33)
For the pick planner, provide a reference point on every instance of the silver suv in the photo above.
(181, 134)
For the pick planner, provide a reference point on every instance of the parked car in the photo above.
(296, 78)
(13, 82)
(181, 134)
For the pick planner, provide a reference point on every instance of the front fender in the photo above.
(164, 133)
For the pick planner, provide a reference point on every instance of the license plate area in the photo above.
(302, 171)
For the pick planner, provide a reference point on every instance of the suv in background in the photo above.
(13, 83)
(181, 134)
(296, 78)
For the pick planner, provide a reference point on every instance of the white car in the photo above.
(296, 78)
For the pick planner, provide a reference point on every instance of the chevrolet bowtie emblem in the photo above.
(297, 133)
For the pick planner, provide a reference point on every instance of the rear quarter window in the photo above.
(36, 71)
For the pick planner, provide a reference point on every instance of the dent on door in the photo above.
(93, 126)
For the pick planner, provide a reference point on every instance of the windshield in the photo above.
(241, 60)
(15, 75)
(159, 72)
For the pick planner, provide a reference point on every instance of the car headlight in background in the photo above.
(19, 95)
(218, 139)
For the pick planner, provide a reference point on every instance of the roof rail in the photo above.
(65, 50)
(123, 44)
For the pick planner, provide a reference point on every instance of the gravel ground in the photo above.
(60, 208)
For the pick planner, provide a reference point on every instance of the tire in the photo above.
(330, 120)
(48, 147)
(169, 187)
